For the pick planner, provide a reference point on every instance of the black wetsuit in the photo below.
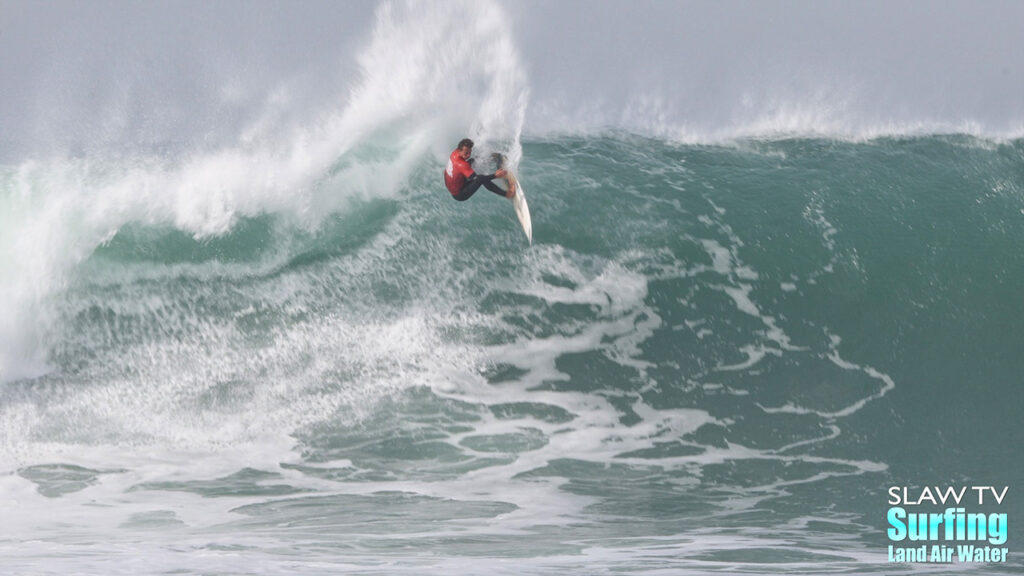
(474, 182)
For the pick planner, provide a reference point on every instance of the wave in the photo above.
(726, 320)
(432, 73)
(699, 332)
(428, 74)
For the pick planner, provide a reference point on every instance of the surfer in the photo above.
(462, 181)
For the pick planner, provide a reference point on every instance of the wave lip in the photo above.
(823, 115)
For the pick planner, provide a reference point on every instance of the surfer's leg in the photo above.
(468, 189)
(474, 183)
(490, 185)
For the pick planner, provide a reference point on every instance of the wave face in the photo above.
(293, 353)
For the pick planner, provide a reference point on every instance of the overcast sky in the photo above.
(178, 70)
(900, 61)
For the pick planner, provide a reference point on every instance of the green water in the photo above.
(712, 358)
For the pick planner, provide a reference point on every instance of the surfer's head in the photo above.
(465, 148)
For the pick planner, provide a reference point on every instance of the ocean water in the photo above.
(296, 355)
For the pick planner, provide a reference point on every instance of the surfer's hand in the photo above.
(500, 173)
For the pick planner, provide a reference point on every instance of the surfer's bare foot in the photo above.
(511, 191)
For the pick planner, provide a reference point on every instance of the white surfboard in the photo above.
(522, 209)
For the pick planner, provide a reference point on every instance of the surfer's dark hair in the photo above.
(465, 142)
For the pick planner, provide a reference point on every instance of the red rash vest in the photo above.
(456, 173)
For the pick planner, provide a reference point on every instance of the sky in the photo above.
(77, 74)
(719, 62)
